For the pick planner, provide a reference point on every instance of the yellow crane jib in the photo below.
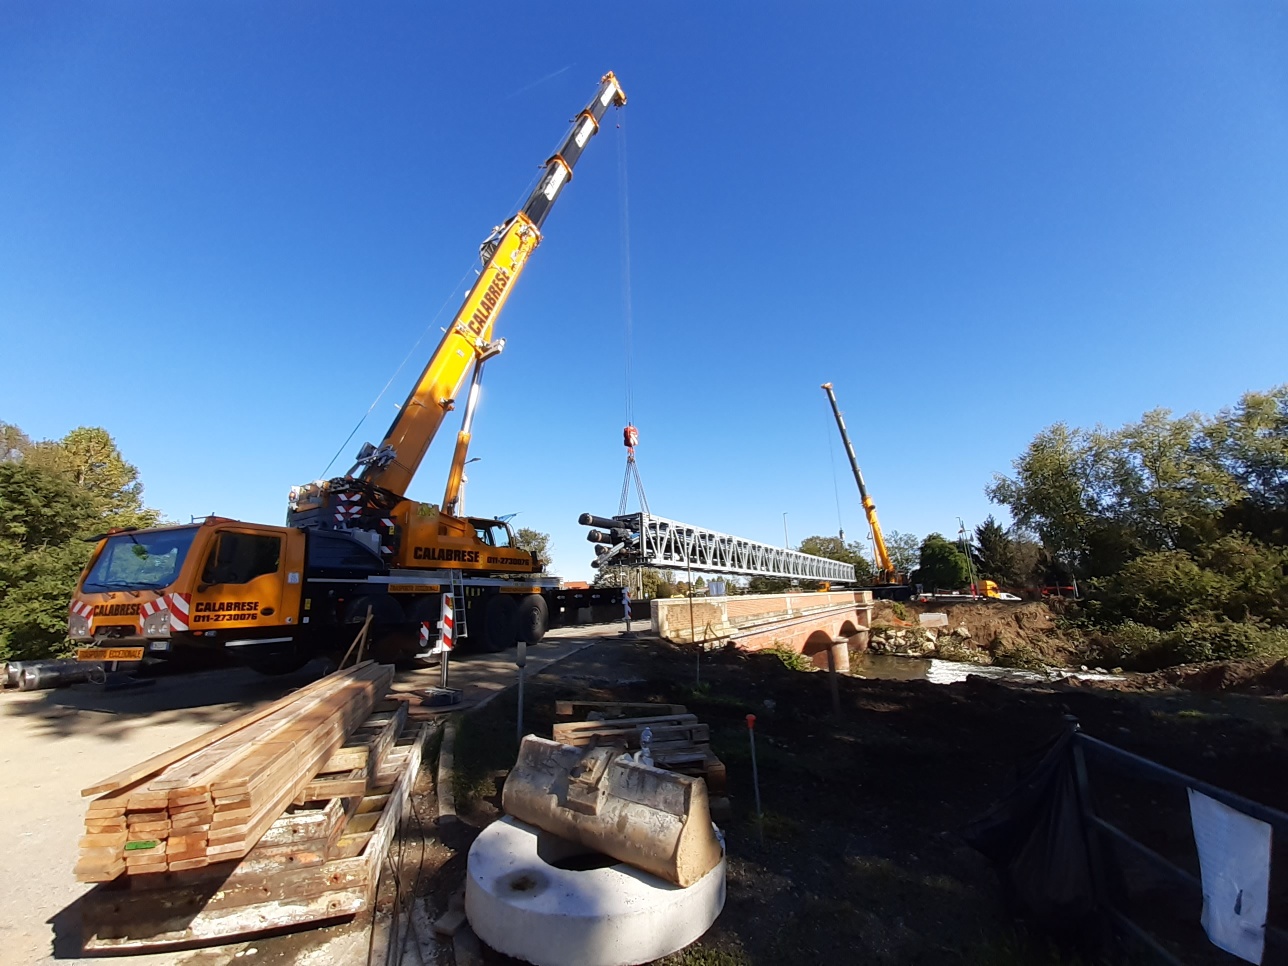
(888, 574)
(505, 253)
(466, 343)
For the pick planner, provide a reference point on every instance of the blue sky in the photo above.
(224, 225)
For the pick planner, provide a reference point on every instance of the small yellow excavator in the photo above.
(353, 545)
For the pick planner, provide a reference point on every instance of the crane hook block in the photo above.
(630, 437)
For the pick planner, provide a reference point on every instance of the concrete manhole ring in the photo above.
(538, 898)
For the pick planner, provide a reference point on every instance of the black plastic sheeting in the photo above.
(1037, 840)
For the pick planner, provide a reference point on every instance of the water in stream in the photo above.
(893, 667)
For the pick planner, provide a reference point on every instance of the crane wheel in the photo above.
(384, 610)
(499, 628)
(532, 619)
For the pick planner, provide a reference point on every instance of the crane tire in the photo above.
(499, 628)
(384, 610)
(533, 619)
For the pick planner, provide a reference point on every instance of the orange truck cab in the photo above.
(146, 591)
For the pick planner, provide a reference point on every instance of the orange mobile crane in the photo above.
(890, 583)
(353, 545)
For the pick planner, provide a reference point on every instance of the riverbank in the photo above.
(858, 855)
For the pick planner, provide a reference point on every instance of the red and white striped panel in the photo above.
(150, 607)
(180, 606)
(347, 506)
(446, 625)
(82, 609)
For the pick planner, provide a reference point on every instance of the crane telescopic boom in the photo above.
(354, 550)
(468, 340)
(887, 572)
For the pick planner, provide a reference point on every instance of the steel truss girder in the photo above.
(671, 545)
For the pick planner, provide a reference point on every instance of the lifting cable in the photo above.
(472, 270)
(630, 435)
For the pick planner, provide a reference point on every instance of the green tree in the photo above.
(1180, 522)
(88, 456)
(657, 583)
(1251, 442)
(904, 550)
(768, 585)
(834, 548)
(1047, 494)
(13, 442)
(943, 566)
(1100, 498)
(1029, 555)
(536, 542)
(995, 554)
(43, 517)
(53, 495)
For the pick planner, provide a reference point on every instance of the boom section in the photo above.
(884, 563)
(391, 465)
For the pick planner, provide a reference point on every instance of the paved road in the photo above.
(56, 742)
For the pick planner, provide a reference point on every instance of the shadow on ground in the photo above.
(204, 696)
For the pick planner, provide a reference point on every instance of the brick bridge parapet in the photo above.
(807, 623)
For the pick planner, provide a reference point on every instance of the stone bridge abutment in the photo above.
(811, 624)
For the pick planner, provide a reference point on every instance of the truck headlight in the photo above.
(78, 627)
(157, 624)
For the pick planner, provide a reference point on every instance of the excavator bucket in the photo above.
(602, 799)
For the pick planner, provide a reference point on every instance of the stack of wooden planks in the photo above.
(319, 861)
(679, 741)
(211, 799)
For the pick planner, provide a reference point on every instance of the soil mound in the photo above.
(1253, 676)
(1000, 627)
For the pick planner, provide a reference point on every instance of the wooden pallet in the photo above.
(679, 742)
(211, 799)
(608, 710)
(320, 861)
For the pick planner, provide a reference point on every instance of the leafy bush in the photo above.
(952, 648)
(1163, 590)
(790, 659)
(1140, 647)
(1130, 645)
(1022, 656)
(1223, 640)
(901, 612)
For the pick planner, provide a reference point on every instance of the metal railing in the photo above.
(1101, 833)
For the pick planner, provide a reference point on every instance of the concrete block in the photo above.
(521, 903)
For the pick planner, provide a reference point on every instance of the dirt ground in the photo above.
(1029, 630)
(56, 742)
(858, 857)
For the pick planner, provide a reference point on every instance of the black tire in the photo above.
(384, 610)
(532, 619)
(395, 645)
(499, 628)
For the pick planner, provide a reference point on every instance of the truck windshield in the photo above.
(145, 560)
(492, 533)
